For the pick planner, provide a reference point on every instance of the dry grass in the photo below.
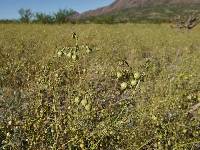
(53, 102)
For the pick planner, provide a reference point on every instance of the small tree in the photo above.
(63, 15)
(25, 15)
(43, 18)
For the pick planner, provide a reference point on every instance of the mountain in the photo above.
(154, 11)
(120, 5)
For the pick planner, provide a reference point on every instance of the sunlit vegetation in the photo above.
(97, 87)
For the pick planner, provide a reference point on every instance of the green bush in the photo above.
(43, 18)
(62, 16)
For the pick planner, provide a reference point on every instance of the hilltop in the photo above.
(133, 10)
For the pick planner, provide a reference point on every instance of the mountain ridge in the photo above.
(120, 5)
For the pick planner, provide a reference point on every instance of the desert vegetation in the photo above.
(97, 87)
(27, 16)
(154, 13)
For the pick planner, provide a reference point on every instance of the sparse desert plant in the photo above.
(135, 90)
(188, 22)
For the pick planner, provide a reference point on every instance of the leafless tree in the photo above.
(188, 22)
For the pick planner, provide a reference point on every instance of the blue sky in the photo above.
(9, 8)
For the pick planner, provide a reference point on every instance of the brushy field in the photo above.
(107, 87)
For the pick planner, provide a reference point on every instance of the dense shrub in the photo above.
(43, 18)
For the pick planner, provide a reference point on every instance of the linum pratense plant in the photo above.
(54, 106)
(74, 52)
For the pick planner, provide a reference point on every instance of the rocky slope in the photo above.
(119, 5)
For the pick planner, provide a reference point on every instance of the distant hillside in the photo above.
(138, 10)
(119, 5)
